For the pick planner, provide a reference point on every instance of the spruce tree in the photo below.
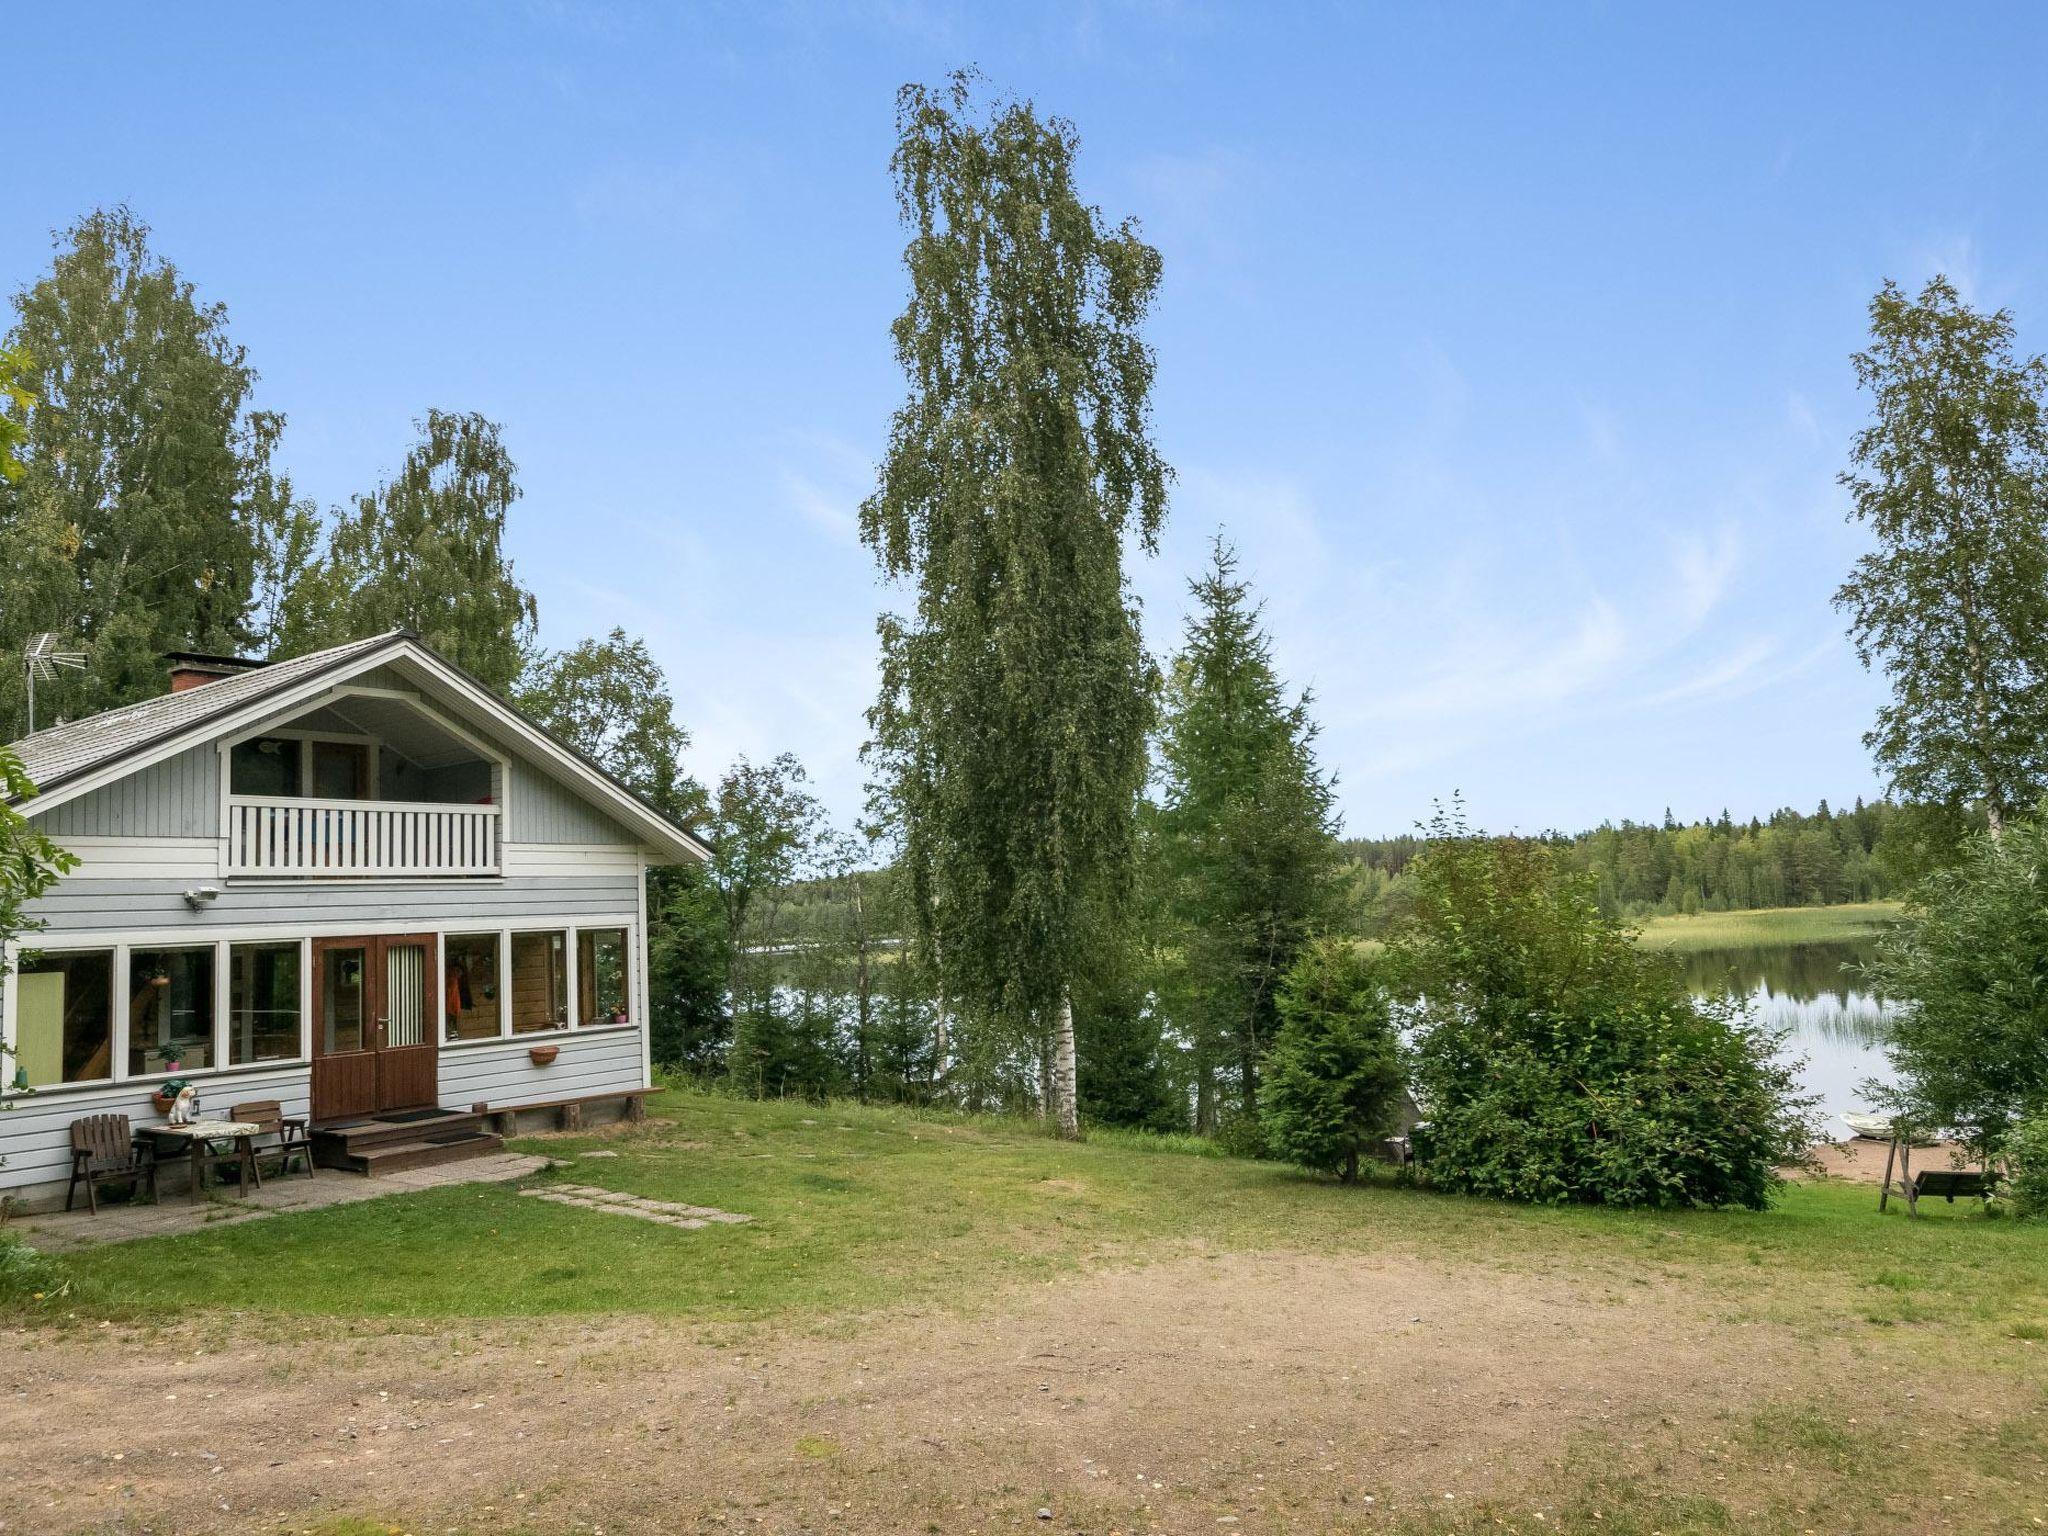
(1242, 853)
(1009, 738)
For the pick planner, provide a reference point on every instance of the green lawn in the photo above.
(856, 1208)
(1769, 926)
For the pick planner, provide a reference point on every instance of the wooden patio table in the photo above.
(198, 1136)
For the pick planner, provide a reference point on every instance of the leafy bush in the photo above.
(1970, 1042)
(1334, 1082)
(1557, 1062)
(2027, 1168)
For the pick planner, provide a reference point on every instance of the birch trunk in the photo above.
(1065, 1093)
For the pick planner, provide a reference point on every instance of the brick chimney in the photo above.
(192, 669)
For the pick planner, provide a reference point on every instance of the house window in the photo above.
(63, 1020)
(269, 765)
(473, 1004)
(170, 1011)
(263, 1002)
(540, 982)
(601, 976)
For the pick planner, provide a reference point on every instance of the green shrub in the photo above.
(1334, 1082)
(1970, 1041)
(2026, 1153)
(1557, 1062)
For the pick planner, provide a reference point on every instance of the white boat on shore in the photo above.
(1868, 1127)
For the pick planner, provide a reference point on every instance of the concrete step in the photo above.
(428, 1152)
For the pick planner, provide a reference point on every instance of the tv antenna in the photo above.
(40, 662)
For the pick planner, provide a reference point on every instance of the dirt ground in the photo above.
(1228, 1393)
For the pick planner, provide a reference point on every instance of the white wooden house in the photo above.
(357, 881)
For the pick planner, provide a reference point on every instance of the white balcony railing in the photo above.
(359, 838)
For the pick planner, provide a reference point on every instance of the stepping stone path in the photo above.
(665, 1212)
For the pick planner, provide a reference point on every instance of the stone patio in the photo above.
(55, 1232)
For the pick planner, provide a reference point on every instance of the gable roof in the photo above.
(76, 757)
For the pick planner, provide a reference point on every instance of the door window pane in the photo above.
(268, 765)
(263, 1002)
(170, 1011)
(601, 976)
(63, 1020)
(405, 995)
(472, 985)
(540, 982)
(344, 974)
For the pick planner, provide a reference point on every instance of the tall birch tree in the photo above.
(1010, 731)
(1951, 476)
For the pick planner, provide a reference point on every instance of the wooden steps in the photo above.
(392, 1144)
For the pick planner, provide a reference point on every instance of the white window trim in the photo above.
(122, 945)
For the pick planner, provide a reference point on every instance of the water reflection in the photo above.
(1814, 994)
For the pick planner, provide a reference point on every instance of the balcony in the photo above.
(295, 838)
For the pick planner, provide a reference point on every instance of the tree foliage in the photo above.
(1557, 1062)
(610, 700)
(426, 552)
(1868, 852)
(1951, 478)
(1969, 968)
(1009, 738)
(1242, 852)
(131, 524)
(1335, 1083)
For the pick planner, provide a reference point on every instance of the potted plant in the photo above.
(166, 1092)
(543, 1055)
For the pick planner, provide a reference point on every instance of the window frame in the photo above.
(11, 1064)
(122, 945)
(226, 993)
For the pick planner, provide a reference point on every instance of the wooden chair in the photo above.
(103, 1148)
(292, 1137)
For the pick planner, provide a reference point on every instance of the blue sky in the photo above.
(1509, 343)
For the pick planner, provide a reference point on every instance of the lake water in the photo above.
(1813, 991)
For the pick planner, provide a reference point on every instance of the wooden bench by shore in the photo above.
(572, 1114)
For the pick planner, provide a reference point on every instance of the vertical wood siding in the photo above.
(541, 810)
(178, 797)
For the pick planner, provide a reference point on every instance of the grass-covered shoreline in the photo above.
(1768, 927)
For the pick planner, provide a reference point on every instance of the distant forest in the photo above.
(1793, 859)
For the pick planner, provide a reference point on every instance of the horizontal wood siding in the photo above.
(178, 797)
(82, 905)
(539, 809)
(35, 1131)
(502, 1075)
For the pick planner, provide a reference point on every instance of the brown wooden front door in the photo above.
(374, 1045)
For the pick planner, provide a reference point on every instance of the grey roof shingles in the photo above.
(78, 746)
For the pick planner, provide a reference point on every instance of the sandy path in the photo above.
(1234, 1393)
